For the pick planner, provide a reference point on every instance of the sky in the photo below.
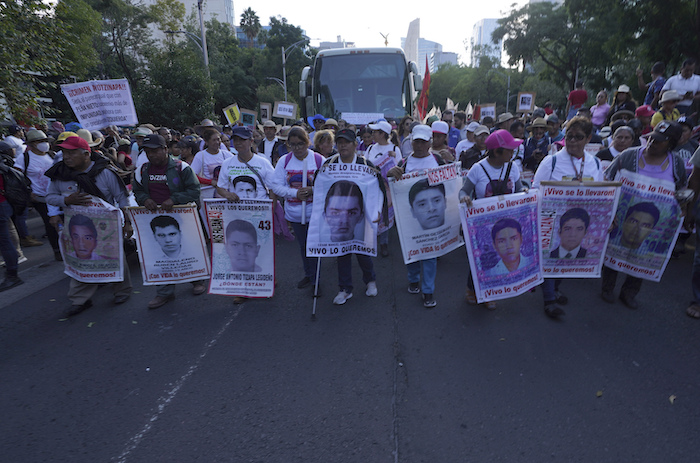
(362, 23)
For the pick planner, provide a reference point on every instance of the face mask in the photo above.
(43, 147)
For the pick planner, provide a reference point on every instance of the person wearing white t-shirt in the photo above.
(420, 159)
(687, 84)
(16, 140)
(494, 175)
(573, 164)
(206, 163)
(245, 175)
(381, 131)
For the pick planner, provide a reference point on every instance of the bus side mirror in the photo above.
(417, 82)
(304, 84)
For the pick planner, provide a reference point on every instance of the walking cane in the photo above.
(318, 273)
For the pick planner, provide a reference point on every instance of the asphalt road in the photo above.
(376, 380)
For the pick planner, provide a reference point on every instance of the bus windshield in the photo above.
(362, 83)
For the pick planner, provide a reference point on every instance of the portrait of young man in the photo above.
(507, 237)
(242, 246)
(639, 222)
(83, 237)
(343, 210)
(166, 231)
(428, 204)
(573, 227)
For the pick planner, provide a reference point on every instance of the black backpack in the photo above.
(17, 188)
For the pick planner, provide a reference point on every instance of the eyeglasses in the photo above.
(575, 136)
(296, 145)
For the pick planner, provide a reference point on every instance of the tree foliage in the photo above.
(250, 24)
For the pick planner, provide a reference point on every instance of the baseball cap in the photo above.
(384, 126)
(63, 135)
(345, 134)
(153, 141)
(552, 118)
(473, 125)
(667, 130)
(14, 129)
(243, 132)
(644, 111)
(421, 132)
(623, 89)
(502, 139)
(440, 127)
(482, 129)
(74, 143)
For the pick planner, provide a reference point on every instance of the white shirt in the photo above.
(287, 179)
(17, 144)
(268, 145)
(377, 151)
(462, 146)
(481, 181)
(233, 167)
(682, 86)
(38, 164)
(565, 170)
(204, 164)
(413, 163)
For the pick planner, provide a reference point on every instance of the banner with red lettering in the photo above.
(647, 220)
(502, 245)
(426, 208)
(574, 221)
(171, 245)
(99, 103)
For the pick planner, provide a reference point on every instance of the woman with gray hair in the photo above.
(622, 139)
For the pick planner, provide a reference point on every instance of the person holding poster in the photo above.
(422, 159)
(573, 164)
(343, 210)
(245, 175)
(657, 163)
(480, 183)
(382, 153)
(293, 180)
(205, 162)
(74, 181)
(165, 182)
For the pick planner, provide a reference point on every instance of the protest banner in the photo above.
(384, 164)
(502, 245)
(284, 110)
(232, 113)
(91, 243)
(99, 103)
(164, 255)
(526, 102)
(349, 200)
(574, 221)
(426, 209)
(242, 247)
(648, 218)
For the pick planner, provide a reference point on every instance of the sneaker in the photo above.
(428, 301)
(414, 288)
(199, 288)
(561, 298)
(20, 260)
(470, 296)
(341, 298)
(552, 310)
(304, 282)
(371, 289)
(10, 282)
(239, 300)
(160, 301)
(491, 305)
(29, 241)
(75, 309)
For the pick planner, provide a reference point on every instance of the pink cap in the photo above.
(73, 143)
(502, 139)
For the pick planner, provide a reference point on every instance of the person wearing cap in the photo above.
(537, 145)
(668, 110)
(269, 145)
(554, 128)
(477, 151)
(576, 99)
(136, 151)
(599, 110)
(687, 85)
(163, 182)
(16, 139)
(644, 114)
(494, 175)
(376, 153)
(288, 183)
(34, 163)
(316, 122)
(653, 88)
(468, 140)
(347, 154)
(622, 100)
(69, 187)
(10, 252)
(504, 121)
(245, 163)
(657, 162)
(573, 164)
(421, 274)
(441, 129)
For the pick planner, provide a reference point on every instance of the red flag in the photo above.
(422, 105)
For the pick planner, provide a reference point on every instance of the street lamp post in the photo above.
(204, 35)
(197, 41)
(285, 51)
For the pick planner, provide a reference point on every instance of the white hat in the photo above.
(473, 125)
(384, 126)
(440, 127)
(670, 95)
(482, 129)
(422, 132)
(623, 89)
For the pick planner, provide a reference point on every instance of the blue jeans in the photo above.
(9, 253)
(423, 271)
(550, 288)
(384, 237)
(345, 270)
(300, 231)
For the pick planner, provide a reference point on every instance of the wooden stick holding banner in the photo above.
(303, 185)
(318, 274)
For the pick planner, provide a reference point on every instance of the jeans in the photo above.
(550, 288)
(300, 231)
(345, 270)
(9, 253)
(384, 237)
(423, 271)
(630, 288)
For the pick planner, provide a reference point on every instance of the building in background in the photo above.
(243, 39)
(425, 49)
(340, 43)
(436, 59)
(410, 43)
(482, 44)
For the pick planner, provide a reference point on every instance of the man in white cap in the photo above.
(270, 143)
(441, 130)
(136, 151)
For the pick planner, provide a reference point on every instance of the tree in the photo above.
(250, 24)
(283, 35)
(168, 15)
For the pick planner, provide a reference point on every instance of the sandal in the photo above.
(693, 311)
(491, 305)
(470, 296)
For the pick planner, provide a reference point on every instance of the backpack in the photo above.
(17, 189)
